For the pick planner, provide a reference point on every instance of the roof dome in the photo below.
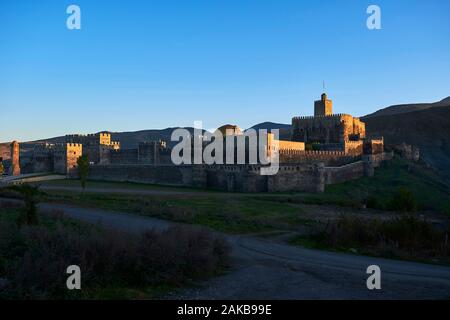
(229, 130)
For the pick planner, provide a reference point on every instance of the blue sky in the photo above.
(153, 64)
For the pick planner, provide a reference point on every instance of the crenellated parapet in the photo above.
(328, 116)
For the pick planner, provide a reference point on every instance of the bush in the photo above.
(35, 258)
(403, 200)
(31, 197)
(373, 203)
(404, 235)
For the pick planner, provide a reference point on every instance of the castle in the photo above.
(324, 149)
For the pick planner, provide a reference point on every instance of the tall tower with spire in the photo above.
(323, 107)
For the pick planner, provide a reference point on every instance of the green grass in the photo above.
(427, 187)
(234, 214)
(111, 185)
(254, 213)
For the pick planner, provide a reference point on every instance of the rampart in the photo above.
(327, 157)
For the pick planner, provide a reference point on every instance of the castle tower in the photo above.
(323, 107)
(14, 170)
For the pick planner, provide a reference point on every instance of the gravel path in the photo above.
(263, 269)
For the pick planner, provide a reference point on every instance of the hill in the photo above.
(429, 129)
(128, 140)
(285, 129)
(405, 108)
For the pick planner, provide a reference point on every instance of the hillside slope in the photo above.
(428, 129)
(405, 108)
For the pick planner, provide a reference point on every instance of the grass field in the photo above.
(253, 213)
(430, 191)
(236, 214)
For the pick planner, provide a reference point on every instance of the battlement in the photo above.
(74, 145)
(43, 147)
(351, 142)
(312, 153)
(62, 147)
(336, 115)
(326, 127)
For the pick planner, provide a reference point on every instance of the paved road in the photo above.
(263, 269)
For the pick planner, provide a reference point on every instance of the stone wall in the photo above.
(124, 156)
(344, 173)
(329, 158)
(334, 128)
(354, 148)
(141, 173)
(42, 158)
(65, 158)
(308, 178)
(241, 178)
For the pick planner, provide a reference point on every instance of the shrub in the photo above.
(373, 203)
(405, 235)
(106, 258)
(30, 195)
(403, 200)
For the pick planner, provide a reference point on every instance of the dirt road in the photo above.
(263, 269)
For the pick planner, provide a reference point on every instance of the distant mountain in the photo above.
(285, 129)
(270, 125)
(128, 140)
(405, 108)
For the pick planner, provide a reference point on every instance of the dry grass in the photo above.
(406, 237)
(34, 259)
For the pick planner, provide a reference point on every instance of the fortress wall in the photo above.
(73, 152)
(297, 178)
(317, 129)
(354, 148)
(124, 156)
(65, 158)
(374, 146)
(377, 159)
(359, 128)
(330, 146)
(240, 178)
(43, 163)
(329, 158)
(291, 145)
(327, 128)
(164, 175)
(344, 173)
(235, 179)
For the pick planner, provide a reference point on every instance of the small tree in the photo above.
(30, 195)
(83, 170)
